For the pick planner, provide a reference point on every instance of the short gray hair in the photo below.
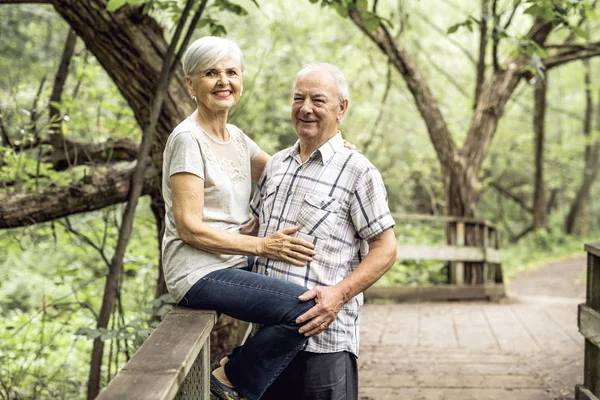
(207, 51)
(338, 77)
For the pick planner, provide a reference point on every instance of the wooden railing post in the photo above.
(196, 384)
(589, 326)
(470, 244)
(173, 363)
(457, 268)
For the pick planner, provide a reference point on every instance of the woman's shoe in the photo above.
(222, 391)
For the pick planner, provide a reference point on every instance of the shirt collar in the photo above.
(327, 149)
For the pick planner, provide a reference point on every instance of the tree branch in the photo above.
(59, 83)
(67, 153)
(102, 189)
(571, 53)
(417, 85)
(495, 38)
(480, 75)
(437, 29)
(506, 193)
(494, 97)
(25, 1)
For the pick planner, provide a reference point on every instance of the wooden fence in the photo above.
(475, 271)
(589, 326)
(173, 363)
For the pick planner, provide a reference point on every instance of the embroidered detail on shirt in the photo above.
(237, 170)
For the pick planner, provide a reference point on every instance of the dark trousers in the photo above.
(259, 299)
(314, 376)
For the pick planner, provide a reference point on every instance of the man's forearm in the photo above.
(381, 257)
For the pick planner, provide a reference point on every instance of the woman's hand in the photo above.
(250, 228)
(283, 247)
(351, 146)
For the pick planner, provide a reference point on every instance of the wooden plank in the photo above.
(472, 329)
(158, 368)
(196, 384)
(440, 218)
(589, 324)
(402, 326)
(593, 248)
(392, 379)
(538, 324)
(583, 393)
(437, 328)
(378, 393)
(593, 282)
(591, 367)
(508, 330)
(457, 272)
(437, 292)
(588, 319)
(448, 253)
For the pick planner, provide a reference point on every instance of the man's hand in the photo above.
(329, 301)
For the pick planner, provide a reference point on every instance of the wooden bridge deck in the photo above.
(525, 347)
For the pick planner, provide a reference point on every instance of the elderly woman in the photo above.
(207, 171)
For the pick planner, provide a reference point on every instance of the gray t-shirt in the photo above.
(225, 169)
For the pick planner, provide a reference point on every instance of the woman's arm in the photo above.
(257, 165)
(187, 193)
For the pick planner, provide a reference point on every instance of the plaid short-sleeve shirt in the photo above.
(338, 200)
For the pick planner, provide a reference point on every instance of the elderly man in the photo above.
(337, 198)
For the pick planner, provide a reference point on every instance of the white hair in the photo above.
(338, 76)
(208, 51)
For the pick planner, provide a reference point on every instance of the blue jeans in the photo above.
(260, 299)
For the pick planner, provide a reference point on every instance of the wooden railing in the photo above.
(589, 326)
(475, 271)
(173, 363)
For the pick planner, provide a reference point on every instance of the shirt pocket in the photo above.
(318, 214)
(267, 203)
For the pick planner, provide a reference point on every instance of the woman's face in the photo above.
(218, 88)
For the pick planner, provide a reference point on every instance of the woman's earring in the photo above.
(193, 96)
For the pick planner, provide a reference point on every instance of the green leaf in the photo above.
(114, 5)
(372, 21)
(579, 32)
(362, 4)
(341, 9)
(89, 332)
(539, 50)
(453, 28)
(232, 7)
(541, 11)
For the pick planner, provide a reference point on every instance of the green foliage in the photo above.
(539, 248)
(51, 281)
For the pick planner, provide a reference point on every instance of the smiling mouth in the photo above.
(222, 93)
(307, 122)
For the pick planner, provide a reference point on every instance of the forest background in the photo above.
(71, 125)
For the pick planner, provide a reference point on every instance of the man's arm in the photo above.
(330, 299)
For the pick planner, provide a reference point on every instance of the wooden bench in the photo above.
(589, 325)
(173, 363)
(475, 272)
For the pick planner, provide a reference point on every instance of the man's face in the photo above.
(316, 108)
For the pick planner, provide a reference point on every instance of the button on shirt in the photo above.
(338, 200)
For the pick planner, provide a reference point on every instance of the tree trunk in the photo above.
(130, 46)
(573, 221)
(158, 210)
(460, 167)
(539, 119)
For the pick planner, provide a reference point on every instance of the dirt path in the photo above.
(525, 347)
